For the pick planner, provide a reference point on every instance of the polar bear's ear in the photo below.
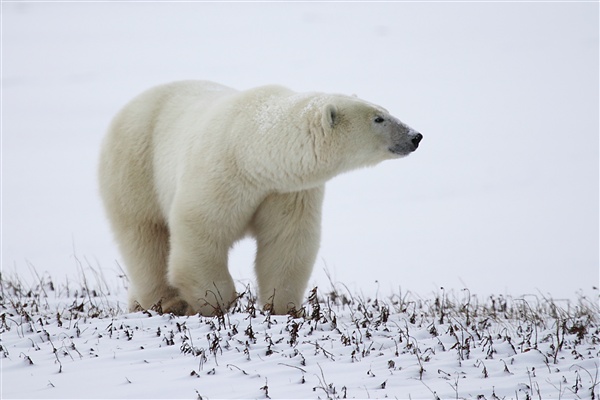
(330, 115)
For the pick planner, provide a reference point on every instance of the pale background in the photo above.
(502, 196)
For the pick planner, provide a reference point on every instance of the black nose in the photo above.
(416, 140)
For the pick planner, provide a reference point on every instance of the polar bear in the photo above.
(189, 168)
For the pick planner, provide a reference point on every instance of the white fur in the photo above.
(189, 168)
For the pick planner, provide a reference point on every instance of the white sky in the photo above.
(502, 196)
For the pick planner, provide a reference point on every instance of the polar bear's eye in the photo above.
(378, 120)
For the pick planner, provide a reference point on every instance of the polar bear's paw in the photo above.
(211, 302)
(176, 306)
(206, 294)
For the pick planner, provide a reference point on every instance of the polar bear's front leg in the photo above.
(288, 231)
(197, 265)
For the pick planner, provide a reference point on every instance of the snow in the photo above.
(77, 343)
(501, 197)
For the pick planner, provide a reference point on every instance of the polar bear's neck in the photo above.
(278, 121)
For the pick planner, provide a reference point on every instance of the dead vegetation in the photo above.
(391, 339)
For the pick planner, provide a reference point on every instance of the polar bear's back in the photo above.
(128, 173)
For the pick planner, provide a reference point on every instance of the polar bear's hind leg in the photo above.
(145, 248)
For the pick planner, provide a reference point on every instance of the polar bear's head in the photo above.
(367, 133)
(305, 139)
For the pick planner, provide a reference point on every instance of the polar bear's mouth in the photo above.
(405, 148)
(400, 150)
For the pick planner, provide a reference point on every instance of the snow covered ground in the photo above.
(501, 197)
(74, 341)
